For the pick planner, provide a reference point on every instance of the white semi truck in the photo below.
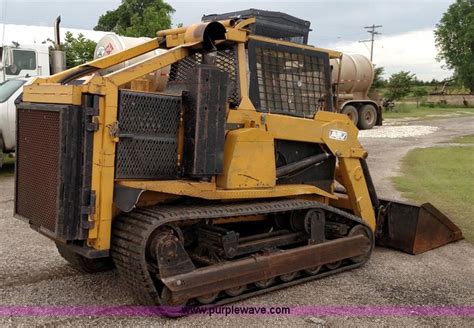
(18, 64)
(19, 61)
(10, 90)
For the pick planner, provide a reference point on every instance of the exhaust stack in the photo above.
(57, 57)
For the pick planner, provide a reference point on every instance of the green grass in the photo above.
(410, 110)
(443, 176)
(429, 89)
(8, 167)
(464, 140)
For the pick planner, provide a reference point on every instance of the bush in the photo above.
(419, 94)
(399, 85)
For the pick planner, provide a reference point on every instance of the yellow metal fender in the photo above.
(249, 160)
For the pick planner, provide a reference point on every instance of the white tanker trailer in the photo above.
(355, 76)
(112, 43)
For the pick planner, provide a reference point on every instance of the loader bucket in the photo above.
(414, 229)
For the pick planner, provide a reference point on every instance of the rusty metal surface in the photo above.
(414, 229)
(434, 230)
(37, 167)
(236, 273)
(134, 229)
(170, 254)
(271, 241)
(228, 244)
(204, 122)
(54, 165)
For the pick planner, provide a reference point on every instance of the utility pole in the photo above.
(373, 32)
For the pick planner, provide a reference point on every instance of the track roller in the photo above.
(312, 271)
(362, 230)
(236, 291)
(333, 265)
(262, 284)
(288, 277)
(208, 298)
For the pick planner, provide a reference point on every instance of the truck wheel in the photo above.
(367, 117)
(351, 111)
(84, 264)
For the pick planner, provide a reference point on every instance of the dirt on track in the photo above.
(32, 273)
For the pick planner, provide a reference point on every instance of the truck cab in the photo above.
(19, 61)
(10, 90)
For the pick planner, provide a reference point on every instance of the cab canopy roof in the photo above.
(270, 24)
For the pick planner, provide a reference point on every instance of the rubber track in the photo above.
(132, 230)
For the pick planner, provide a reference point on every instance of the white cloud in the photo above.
(27, 34)
(413, 51)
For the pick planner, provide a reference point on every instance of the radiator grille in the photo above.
(148, 138)
(226, 61)
(37, 169)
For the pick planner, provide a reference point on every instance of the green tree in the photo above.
(379, 81)
(399, 85)
(137, 18)
(419, 94)
(455, 40)
(418, 82)
(78, 50)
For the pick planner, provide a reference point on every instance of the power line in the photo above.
(341, 36)
(373, 32)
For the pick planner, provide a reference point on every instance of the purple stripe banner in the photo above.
(240, 310)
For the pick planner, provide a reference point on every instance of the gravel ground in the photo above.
(395, 132)
(31, 272)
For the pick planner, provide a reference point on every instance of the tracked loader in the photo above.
(234, 180)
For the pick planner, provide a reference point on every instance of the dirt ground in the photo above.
(32, 273)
